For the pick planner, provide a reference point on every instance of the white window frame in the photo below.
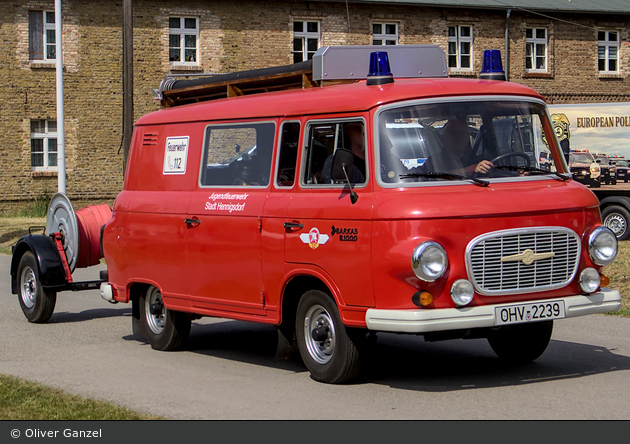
(183, 32)
(383, 37)
(305, 35)
(49, 27)
(458, 39)
(533, 42)
(607, 44)
(46, 136)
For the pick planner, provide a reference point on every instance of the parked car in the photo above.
(608, 171)
(623, 167)
(584, 169)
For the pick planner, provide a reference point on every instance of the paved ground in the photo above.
(229, 371)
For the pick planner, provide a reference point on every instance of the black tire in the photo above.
(336, 355)
(36, 302)
(521, 343)
(164, 329)
(617, 218)
(614, 182)
(596, 184)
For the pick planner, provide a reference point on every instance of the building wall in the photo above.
(236, 36)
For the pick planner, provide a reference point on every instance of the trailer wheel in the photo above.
(36, 302)
(164, 329)
(521, 343)
(329, 350)
(617, 218)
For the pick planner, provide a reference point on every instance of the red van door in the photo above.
(323, 227)
(224, 219)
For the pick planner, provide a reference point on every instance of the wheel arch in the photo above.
(294, 288)
(49, 263)
(615, 200)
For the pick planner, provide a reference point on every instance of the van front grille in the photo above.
(523, 260)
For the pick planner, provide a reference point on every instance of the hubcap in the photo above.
(28, 284)
(616, 223)
(155, 311)
(319, 334)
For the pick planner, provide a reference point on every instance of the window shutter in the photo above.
(35, 35)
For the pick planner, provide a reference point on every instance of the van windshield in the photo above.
(468, 139)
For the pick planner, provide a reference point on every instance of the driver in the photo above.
(456, 156)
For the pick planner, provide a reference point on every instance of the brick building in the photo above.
(570, 51)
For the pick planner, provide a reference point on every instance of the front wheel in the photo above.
(521, 343)
(36, 302)
(164, 329)
(617, 218)
(328, 350)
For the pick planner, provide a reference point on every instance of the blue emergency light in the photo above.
(492, 69)
(380, 72)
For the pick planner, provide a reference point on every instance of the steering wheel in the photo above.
(508, 155)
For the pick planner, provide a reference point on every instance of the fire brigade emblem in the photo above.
(313, 238)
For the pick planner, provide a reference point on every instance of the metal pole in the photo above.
(127, 78)
(507, 45)
(61, 139)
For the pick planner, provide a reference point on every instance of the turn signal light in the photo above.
(422, 298)
(605, 280)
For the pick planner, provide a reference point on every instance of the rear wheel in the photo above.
(37, 303)
(617, 218)
(164, 329)
(521, 343)
(329, 350)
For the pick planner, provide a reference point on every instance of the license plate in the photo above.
(521, 313)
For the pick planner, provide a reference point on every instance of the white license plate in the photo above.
(520, 313)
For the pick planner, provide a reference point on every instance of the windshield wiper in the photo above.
(564, 177)
(447, 176)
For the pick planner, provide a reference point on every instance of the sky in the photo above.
(610, 140)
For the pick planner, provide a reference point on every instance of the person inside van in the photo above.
(456, 156)
(355, 135)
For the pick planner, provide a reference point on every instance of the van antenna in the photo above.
(348, 13)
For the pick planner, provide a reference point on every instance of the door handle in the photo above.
(291, 225)
(192, 221)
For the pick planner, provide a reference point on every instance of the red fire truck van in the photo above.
(361, 192)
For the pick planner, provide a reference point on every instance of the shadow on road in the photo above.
(409, 363)
(87, 315)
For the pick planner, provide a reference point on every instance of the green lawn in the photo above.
(24, 400)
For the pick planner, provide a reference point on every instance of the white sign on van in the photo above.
(175, 155)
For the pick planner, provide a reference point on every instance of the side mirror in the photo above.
(343, 161)
(598, 161)
(343, 158)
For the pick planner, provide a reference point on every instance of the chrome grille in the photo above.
(491, 276)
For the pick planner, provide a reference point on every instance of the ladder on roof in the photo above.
(330, 65)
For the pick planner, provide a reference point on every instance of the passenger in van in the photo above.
(456, 156)
(355, 134)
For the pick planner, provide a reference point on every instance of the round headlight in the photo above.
(602, 246)
(462, 292)
(589, 280)
(429, 261)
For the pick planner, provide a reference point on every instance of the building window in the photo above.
(44, 144)
(183, 39)
(608, 51)
(460, 41)
(536, 49)
(41, 33)
(305, 40)
(385, 33)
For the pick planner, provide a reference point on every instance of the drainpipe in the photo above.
(507, 45)
(61, 139)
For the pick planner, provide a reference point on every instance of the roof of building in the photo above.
(352, 97)
(558, 6)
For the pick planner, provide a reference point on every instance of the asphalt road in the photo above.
(228, 370)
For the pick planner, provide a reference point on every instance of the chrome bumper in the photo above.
(427, 320)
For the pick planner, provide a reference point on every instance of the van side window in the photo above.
(326, 138)
(288, 154)
(238, 155)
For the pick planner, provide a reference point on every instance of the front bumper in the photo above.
(428, 320)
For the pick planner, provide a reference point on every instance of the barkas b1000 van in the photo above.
(357, 193)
